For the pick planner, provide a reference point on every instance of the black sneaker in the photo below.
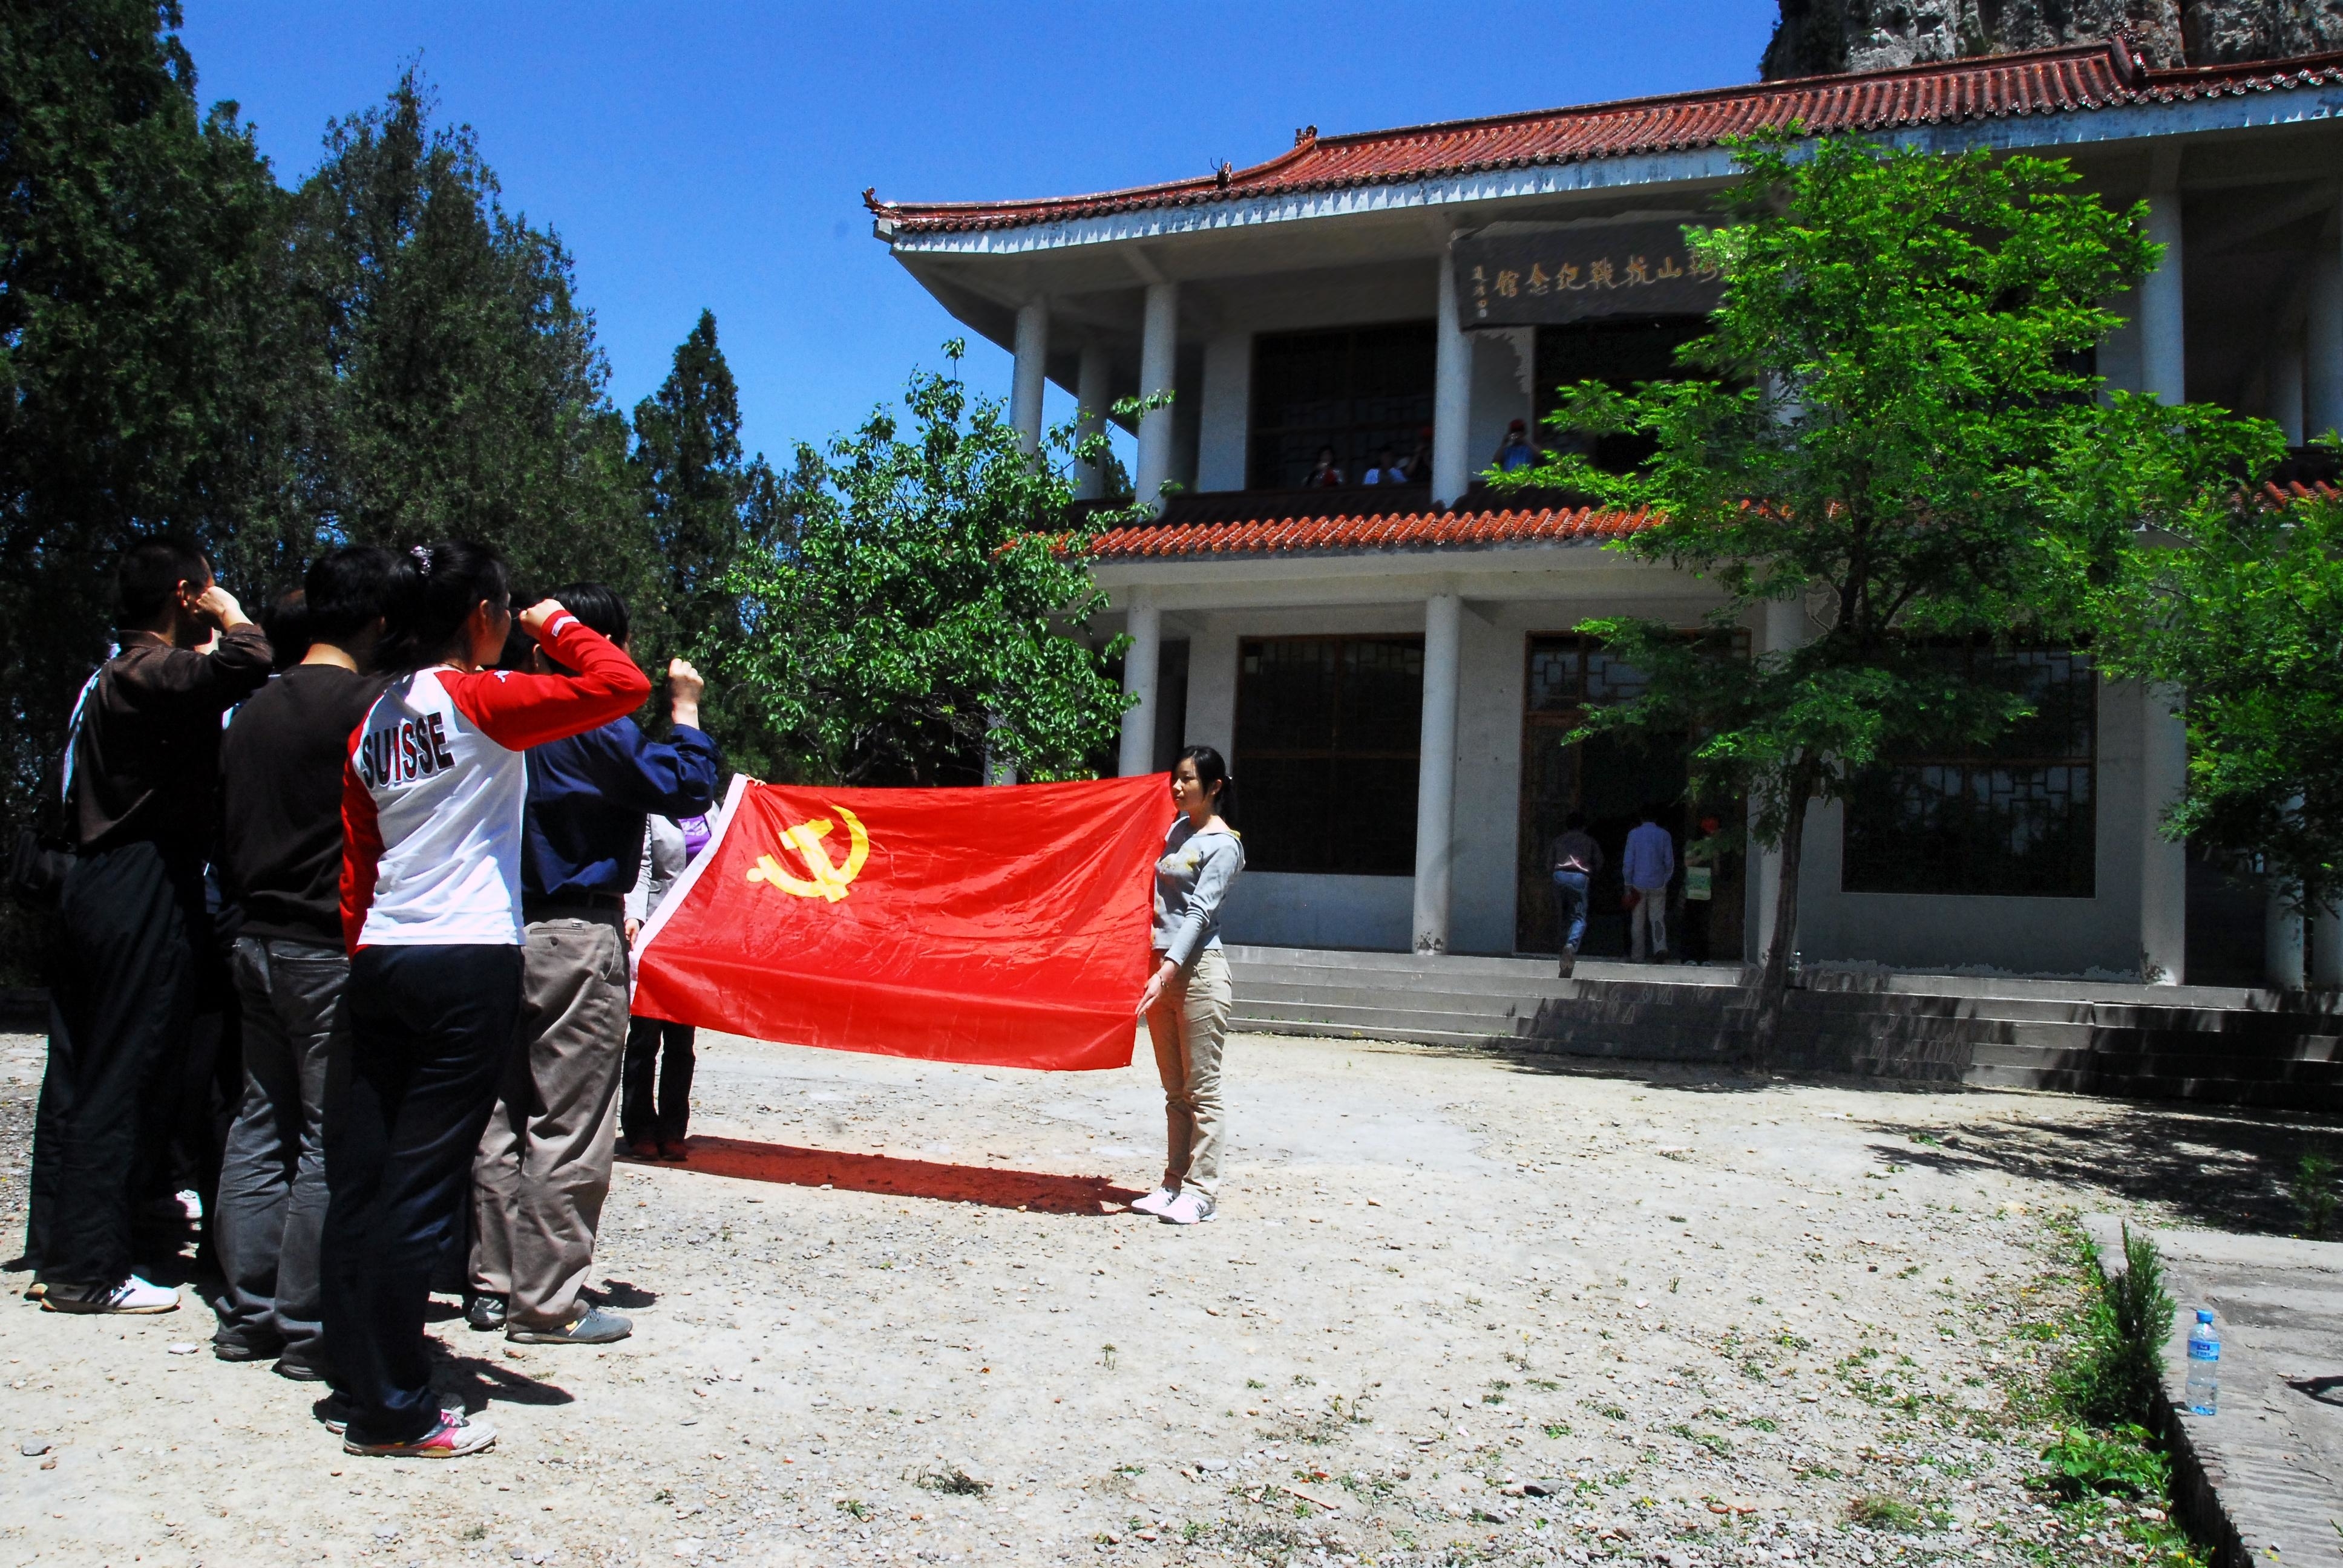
(485, 1312)
(244, 1349)
(300, 1371)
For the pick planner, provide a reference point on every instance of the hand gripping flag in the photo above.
(1004, 926)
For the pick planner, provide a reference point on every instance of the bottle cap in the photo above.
(2203, 1316)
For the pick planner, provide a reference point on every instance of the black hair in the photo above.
(599, 605)
(1574, 821)
(150, 574)
(286, 622)
(348, 591)
(439, 587)
(1210, 770)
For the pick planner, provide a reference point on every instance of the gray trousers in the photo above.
(1188, 1029)
(544, 1164)
(272, 1191)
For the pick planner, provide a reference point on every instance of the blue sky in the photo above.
(714, 154)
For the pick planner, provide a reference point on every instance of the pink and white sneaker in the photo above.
(453, 1438)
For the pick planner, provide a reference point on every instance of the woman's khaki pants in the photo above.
(1188, 1027)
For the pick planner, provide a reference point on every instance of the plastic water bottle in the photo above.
(2203, 1367)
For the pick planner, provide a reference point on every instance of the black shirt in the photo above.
(147, 750)
(281, 807)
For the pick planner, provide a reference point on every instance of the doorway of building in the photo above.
(1610, 778)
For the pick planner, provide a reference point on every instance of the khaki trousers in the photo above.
(543, 1163)
(1187, 1028)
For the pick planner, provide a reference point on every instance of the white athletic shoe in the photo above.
(1155, 1202)
(1187, 1209)
(133, 1295)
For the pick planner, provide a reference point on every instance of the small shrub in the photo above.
(1878, 1511)
(952, 1483)
(2114, 1375)
(2313, 1191)
(2119, 1462)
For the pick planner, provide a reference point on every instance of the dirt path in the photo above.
(1454, 1309)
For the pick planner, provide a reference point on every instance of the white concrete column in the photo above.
(2163, 365)
(1435, 783)
(1786, 629)
(1159, 350)
(1090, 393)
(2285, 399)
(1451, 394)
(2282, 941)
(2327, 949)
(2163, 864)
(1031, 374)
(1139, 665)
(2322, 346)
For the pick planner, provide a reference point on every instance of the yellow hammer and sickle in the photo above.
(829, 881)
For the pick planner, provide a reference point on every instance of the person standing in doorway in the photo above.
(544, 1164)
(136, 949)
(1577, 859)
(655, 1105)
(281, 860)
(432, 803)
(1647, 865)
(1187, 998)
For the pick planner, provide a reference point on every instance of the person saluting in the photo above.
(1187, 997)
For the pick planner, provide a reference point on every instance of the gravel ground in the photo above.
(1455, 1308)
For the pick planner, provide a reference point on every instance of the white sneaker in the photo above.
(1187, 1209)
(1155, 1202)
(133, 1295)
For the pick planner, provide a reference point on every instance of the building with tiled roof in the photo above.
(1389, 666)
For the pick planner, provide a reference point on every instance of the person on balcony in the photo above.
(1326, 474)
(1385, 469)
(1516, 451)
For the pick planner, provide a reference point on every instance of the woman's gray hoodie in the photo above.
(1190, 880)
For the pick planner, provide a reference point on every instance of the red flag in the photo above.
(1004, 926)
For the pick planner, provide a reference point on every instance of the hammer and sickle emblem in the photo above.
(829, 881)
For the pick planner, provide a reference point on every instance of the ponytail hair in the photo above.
(435, 591)
(1210, 770)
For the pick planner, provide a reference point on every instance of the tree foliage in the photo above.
(928, 604)
(1875, 429)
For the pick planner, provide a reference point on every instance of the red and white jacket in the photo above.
(434, 788)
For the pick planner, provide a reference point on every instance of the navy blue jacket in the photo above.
(587, 797)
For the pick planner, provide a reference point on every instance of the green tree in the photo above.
(1873, 429)
(134, 342)
(453, 384)
(2236, 597)
(921, 598)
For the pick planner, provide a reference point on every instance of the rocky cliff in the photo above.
(1817, 37)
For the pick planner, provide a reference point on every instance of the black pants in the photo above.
(134, 940)
(430, 1030)
(660, 1119)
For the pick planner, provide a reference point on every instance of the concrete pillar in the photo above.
(2327, 949)
(1435, 786)
(1451, 394)
(2284, 398)
(2163, 864)
(2164, 364)
(1091, 392)
(1031, 374)
(1786, 629)
(1159, 350)
(2282, 941)
(1146, 628)
(2322, 346)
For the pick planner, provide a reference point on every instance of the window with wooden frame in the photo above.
(2017, 819)
(1356, 389)
(1328, 735)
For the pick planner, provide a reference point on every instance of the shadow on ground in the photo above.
(1030, 1190)
(2221, 1169)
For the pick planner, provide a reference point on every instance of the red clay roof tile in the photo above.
(2048, 81)
(1391, 531)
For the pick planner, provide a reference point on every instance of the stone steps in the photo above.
(2208, 1043)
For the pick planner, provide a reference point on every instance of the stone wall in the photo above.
(1818, 37)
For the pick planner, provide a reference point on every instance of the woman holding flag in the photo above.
(1187, 998)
